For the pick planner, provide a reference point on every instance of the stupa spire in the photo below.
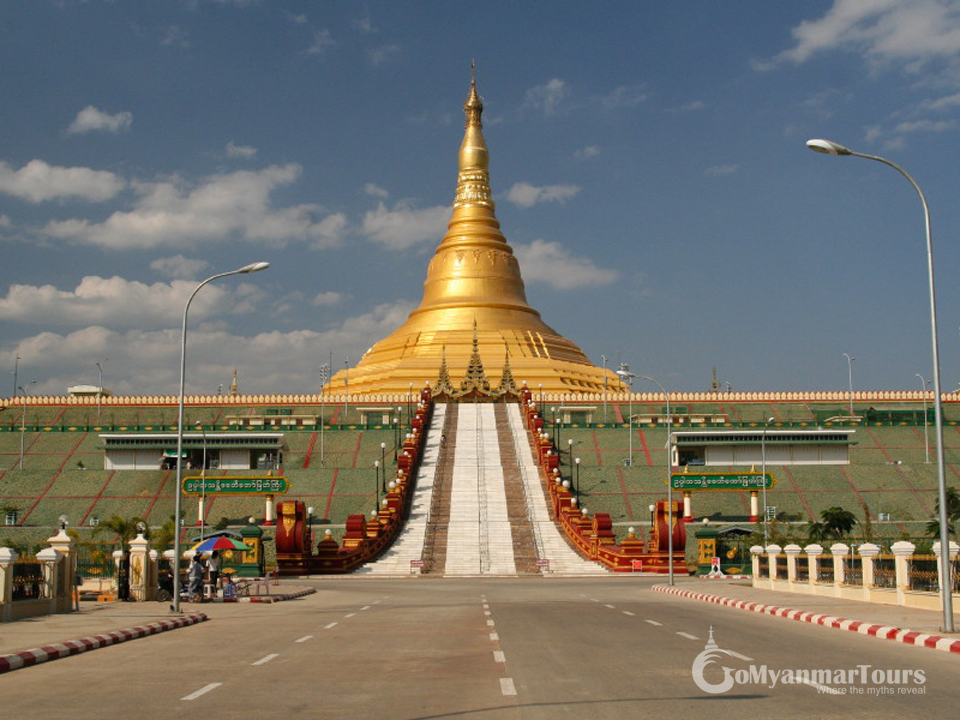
(474, 301)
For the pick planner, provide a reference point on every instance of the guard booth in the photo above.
(730, 545)
(248, 563)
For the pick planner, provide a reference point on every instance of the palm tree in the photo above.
(124, 528)
(835, 524)
(953, 514)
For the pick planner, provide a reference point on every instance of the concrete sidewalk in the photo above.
(101, 624)
(901, 624)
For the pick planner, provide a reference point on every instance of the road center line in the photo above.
(688, 636)
(202, 691)
(365, 607)
(267, 658)
(490, 623)
(494, 637)
(612, 607)
(627, 612)
(507, 687)
(654, 622)
(304, 638)
(738, 656)
(330, 625)
(350, 615)
(498, 656)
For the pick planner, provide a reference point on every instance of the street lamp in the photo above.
(831, 148)
(850, 379)
(100, 389)
(203, 479)
(23, 419)
(625, 374)
(577, 463)
(763, 475)
(253, 267)
(604, 358)
(669, 473)
(324, 374)
(383, 464)
(376, 479)
(926, 425)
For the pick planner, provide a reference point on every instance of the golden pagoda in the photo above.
(474, 307)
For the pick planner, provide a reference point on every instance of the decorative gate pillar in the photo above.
(63, 543)
(792, 550)
(754, 506)
(139, 568)
(839, 552)
(52, 572)
(687, 507)
(867, 553)
(902, 552)
(773, 553)
(814, 552)
(8, 556)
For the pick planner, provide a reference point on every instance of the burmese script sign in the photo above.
(721, 481)
(235, 485)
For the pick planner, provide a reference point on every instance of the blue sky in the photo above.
(647, 160)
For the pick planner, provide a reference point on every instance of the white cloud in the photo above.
(720, 170)
(147, 361)
(526, 195)
(117, 302)
(943, 103)
(90, 119)
(327, 298)
(625, 96)
(240, 151)
(179, 267)
(694, 106)
(375, 190)
(926, 126)
(4, 221)
(587, 152)
(551, 263)
(322, 41)
(405, 227)
(171, 213)
(547, 97)
(883, 30)
(37, 181)
(384, 54)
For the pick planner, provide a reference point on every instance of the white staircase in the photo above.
(409, 545)
(550, 543)
(479, 540)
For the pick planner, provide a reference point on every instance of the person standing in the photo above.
(197, 571)
(213, 568)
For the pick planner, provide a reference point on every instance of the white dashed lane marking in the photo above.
(266, 659)
(498, 656)
(507, 687)
(627, 612)
(304, 638)
(327, 627)
(202, 691)
(654, 622)
(688, 636)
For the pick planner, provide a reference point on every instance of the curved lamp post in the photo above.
(666, 395)
(763, 476)
(253, 267)
(926, 424)
(850, 360)
(829, 147)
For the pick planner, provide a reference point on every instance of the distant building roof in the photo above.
(88, 391)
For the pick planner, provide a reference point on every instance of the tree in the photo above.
(953, 514)
(124, 528)
(835, 524)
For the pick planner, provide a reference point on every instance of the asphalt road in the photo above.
(484, 648)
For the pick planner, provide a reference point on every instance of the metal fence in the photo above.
(825, 570)
(853, 570)
(884, 572)
(27, 579)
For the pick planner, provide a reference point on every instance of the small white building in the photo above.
(213, 450)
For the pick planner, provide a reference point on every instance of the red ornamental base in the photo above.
(268, 523)
(754, 518)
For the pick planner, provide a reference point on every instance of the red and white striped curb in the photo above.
(885, 632)
(26, 658)
(270, 598)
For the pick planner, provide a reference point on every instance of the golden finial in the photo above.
(474, 105)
